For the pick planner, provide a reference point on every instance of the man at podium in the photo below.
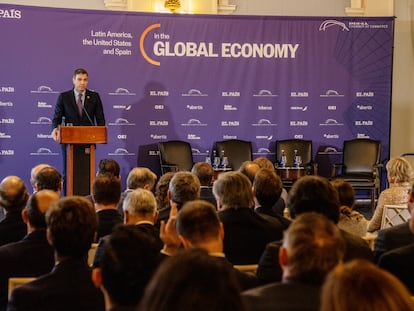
(78, 107)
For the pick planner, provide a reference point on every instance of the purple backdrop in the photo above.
(194, 78)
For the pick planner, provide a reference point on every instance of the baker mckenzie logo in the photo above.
(43, 105)
(330, 23)
(163, 45)
(4, 135)
(11, 13)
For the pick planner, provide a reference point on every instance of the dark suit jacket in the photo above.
(12, 228)
(30, 257)
(68, 287)
(246, 234)
(399, 262)
(289, 296)
(107, 220)
(392, 238)
(66, 106)
(206, 194)
(269, 269)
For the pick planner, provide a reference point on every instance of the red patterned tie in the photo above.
(79, 103)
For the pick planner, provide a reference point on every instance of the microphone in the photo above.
(87, 114)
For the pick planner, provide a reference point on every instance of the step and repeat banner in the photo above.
(196, 78)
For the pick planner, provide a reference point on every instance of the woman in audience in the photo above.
(360, 285)
(399, 173)
(161, 190)
(349, 220)
(193, 280)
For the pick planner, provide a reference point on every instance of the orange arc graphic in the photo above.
(141, 44)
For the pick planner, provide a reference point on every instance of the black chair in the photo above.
(304, 150)
(360, 166)
(175, 155)
(237, 151)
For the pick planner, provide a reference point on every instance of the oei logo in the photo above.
(12, 13)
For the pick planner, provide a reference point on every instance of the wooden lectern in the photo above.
(81, 135)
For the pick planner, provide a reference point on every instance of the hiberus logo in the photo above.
(12, 13)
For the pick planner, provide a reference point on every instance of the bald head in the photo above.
(13, 193)
(249, 169)
(37, 207)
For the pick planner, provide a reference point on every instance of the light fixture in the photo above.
(172, 5)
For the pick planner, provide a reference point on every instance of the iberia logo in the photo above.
(141, 44)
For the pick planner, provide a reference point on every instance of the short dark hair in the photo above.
(198, 222)
(108, 166)
(346, 192)
(204, 172)
(37, 206)
(72, 223)
(79, 71)
(267, 186)
(161, 190)
(184, 187)
(234, 190)
(314, 194)
(48, 178)
(129, 259)
(106, 189)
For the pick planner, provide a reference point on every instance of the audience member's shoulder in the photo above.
(356, 247)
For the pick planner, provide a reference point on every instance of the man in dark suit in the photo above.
(71, 227)
(32, 256)
(13, 198)
(247, 233)
(204, 172)
(312, 247)
(79, 106)
(311, 194)
(397, 236)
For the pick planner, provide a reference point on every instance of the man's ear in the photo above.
(169, 195)
(97, 277)
(49, 236)
(283, 257)
(221, 231)
(126, 217)
(186, 243)
(24, 216)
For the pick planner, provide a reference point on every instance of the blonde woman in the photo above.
(399, 173)
(359, 285)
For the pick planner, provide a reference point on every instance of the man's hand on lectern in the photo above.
(55, 134)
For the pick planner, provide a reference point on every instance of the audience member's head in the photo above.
(141, 177)
(346, 192)
(48, 178)
(106, 190)
(129, 259)
(108, 166)
(183, 187)
(204, 172)
(264, 163)
(249, 169)
(161, 190)
(13, 194)
(138, 205)
(36, 169)
(72, 224)
(233, 190)
(312, 246)
(192, 280)
(36, 208)
(360, 285)
(399, 170)
(199, 226)
(314, 194)
(267, 187)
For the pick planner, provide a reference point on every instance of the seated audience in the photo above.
(13, 198)
(106, 193)
(396, 236)
(33, 255)
(361, 286)
(138, 177)
(249, 169)
(312, 246)
(267, 188)
(312, 194)
(36, 169)
(71, 224)
(349, 219)
(399, 173)
(48, 178)
(204, 172)
(107, 167)
(192, 280)
(247, 233)
(129, 259)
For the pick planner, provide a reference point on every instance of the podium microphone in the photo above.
(87, 114)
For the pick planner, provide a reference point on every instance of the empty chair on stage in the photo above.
(175, 155)
(237, 151)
